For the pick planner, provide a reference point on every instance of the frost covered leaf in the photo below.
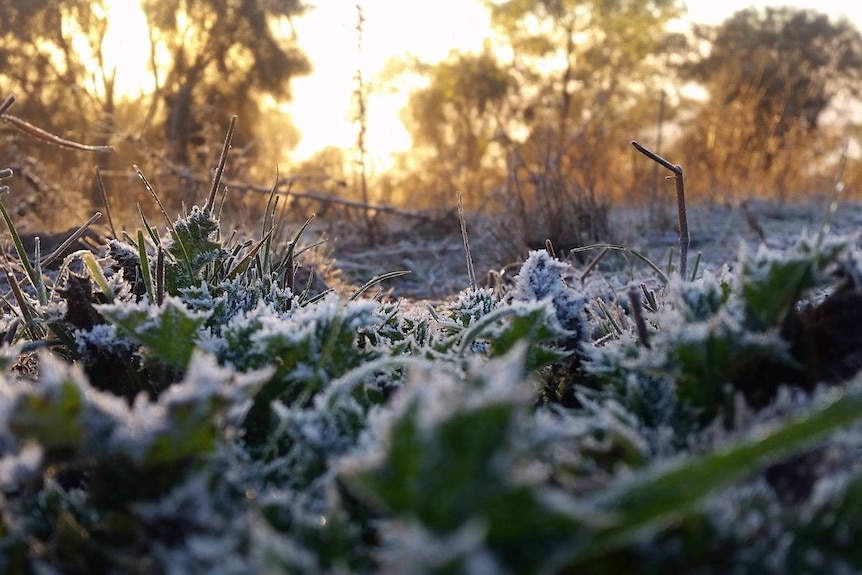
(469, 305)
(190, 410)
(447, 461)
(654, 498)
(50, 413)
(772, 283)
(532, 322)
(542, 277)
(192, 247)
(309, 348)
(168, 332)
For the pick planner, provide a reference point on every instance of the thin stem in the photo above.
(591, 266)
(53, 256)
(471, 272)
(208, 207)
(637, 311)
(104, 194)
(684, 237)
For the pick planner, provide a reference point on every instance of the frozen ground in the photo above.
(433, 250)
(436, 257)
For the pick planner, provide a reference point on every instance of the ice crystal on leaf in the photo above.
(542, 277)
(470, 305)
(167, 332)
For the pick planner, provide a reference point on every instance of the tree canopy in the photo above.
(770, 76)
(209, 59)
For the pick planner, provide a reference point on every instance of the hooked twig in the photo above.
(684, 237)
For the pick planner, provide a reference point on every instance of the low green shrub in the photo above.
(180, 406)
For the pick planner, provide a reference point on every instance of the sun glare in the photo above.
(128, 47)
(322, 104)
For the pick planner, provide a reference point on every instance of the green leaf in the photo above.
(51, 416)
(167, 332)
(504, 327)
(654, 499)
(771, 286)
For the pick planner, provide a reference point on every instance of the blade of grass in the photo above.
(145, 267)
(837, 189)
(376, 280)
(308, 285)
(40, 281)
(19, 246)
(658, 497)
(471, 272)
(291, 247)
(170, 224)
(53, 256)
(244, 263)
(624, 249)
(318, 297)
(97, 274)
(210, 203)
(9, 336)
(160, 275)
(104, 193)
(695, 266)
(23, 304)
(150, 229)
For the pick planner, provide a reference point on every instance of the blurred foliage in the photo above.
(53, 57)
(771, 77)
(533, 126)
(539, 114)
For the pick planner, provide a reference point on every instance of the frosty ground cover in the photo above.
(186, 404)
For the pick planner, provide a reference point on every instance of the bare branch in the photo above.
(46, 136)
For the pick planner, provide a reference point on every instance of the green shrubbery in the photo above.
(180, 406)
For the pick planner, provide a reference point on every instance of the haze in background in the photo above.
(321, 107)
(322, 103)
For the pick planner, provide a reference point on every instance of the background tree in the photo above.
(454, 122)
(562, 88)
(223, 57)
(209, 59)
(770, 76)
(52, 57)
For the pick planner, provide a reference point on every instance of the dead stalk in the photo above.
(684, 237)
(637, 312)
(471, 272)
(208, 207)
